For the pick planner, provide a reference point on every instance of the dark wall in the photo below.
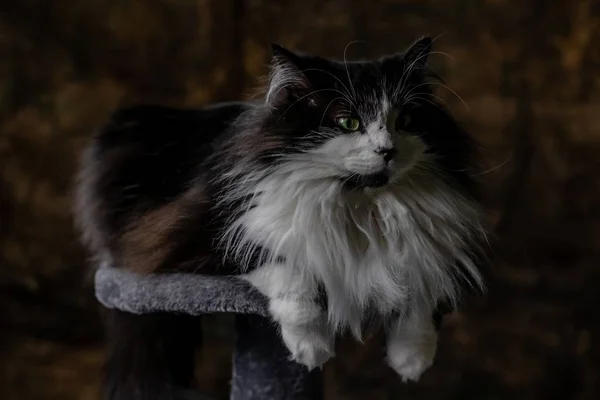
(524, 77)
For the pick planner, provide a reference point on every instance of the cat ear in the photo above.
(417, 54)
(285, 76)
(283, 55)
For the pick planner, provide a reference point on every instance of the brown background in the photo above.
(528, 71)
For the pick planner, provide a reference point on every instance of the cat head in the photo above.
(365, 123)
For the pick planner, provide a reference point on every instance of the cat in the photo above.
(345, 194)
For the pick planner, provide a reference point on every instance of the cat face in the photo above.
(365, 123)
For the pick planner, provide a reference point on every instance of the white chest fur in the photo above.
(386, 250)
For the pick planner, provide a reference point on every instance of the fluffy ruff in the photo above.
(388, 254)
(394, 249)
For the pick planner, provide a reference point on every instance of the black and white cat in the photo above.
(344, 195)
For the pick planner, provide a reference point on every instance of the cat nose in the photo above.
(387, 153)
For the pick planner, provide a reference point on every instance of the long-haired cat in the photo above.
(344, 195)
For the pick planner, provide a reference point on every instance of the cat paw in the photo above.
(308, 347)
(410, 360)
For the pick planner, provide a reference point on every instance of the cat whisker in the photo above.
(408, 70)
(443, 54)
(325, 111)
(495, 168)
(412, 100)
(453, 92)
(413, 88)
(420, 96)
(346, 65)
(348, 94)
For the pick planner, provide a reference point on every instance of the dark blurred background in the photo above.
(527, 70)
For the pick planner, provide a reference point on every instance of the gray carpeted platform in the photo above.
(261, 368)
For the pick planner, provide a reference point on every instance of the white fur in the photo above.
(378, 134)
(411, 346)
(387, 248)
(283, 74)
(304, 328)
(390, 249)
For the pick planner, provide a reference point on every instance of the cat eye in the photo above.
(348, 124)
(405, 122)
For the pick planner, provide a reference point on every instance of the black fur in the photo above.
(159, 152)
(147, 197)
(149, 357)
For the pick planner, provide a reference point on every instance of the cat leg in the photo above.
(411, 345)
(293, 304)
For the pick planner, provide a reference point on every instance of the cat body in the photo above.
(344, 195)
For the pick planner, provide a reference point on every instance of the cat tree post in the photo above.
(260, 357)
(261, 365)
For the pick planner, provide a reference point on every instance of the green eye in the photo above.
(348, 124)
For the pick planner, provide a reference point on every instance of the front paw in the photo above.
(308, 346)
(411, 358)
